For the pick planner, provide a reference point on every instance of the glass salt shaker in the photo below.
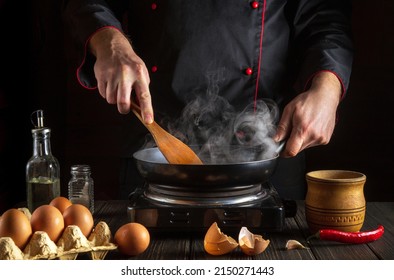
(81, 186)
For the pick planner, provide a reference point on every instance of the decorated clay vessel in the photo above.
(335, 200)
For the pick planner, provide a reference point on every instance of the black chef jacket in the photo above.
(249, 49)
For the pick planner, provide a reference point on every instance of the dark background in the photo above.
(38, 75)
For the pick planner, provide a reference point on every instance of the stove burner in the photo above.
(163, 208)
(197, 197)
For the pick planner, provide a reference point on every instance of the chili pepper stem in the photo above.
(313, 236)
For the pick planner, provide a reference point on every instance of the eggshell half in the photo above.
(251, 244)
(217, 243)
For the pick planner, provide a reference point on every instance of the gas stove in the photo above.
(164, 208)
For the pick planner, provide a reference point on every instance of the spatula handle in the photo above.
(136, 110)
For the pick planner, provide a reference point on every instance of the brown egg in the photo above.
(132, 239)
(79, 215)
(15, 224)
(60, 203)
(217, 243)
(49, 219)
(25, 211)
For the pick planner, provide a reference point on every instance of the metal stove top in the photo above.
(197, 197)
(168, 208)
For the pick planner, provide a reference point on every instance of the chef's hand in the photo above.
(119, 71)
(309, 119)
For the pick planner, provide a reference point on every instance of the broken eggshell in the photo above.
(251, 244)
(217, 243)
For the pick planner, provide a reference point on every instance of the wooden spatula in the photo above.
(173, 149)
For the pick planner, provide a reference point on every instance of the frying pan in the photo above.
(154, 168)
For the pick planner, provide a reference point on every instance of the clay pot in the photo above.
(335, 199)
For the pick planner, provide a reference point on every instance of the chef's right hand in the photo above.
(120, 71)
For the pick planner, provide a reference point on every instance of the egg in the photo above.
(60, 203)
(25, 211)
(79, 215)
(16, 225)
(49, 219)
(132, 239)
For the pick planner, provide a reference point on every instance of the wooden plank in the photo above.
(166, 247)
(176, 246)
(381, 213)
(279, 240)
(114, 213)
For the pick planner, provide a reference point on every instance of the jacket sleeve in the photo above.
(82, 18)
(322, 36)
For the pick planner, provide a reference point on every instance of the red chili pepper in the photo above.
(349, 237)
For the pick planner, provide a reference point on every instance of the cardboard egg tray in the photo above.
(68, 247)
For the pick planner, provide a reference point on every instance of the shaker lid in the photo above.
(80, 168)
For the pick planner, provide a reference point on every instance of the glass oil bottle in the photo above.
(42, 169)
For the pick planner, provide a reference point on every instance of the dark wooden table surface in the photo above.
(187, 246)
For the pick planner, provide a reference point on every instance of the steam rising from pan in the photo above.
(222, 135)
(219, 134)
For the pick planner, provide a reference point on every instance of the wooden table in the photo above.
(187, 246)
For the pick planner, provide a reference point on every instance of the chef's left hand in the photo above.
(309, 119)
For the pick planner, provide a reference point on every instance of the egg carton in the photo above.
(71, 243)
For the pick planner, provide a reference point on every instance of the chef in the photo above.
(165, 53)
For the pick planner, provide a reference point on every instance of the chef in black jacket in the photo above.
(297, 53)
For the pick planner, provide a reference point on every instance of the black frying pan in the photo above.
(154, 168)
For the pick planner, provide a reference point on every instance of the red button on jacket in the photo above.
(255, 4)
(248, 71)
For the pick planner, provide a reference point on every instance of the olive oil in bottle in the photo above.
(42, 169)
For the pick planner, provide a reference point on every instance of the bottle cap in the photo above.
(38, 122)
(39, 119)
